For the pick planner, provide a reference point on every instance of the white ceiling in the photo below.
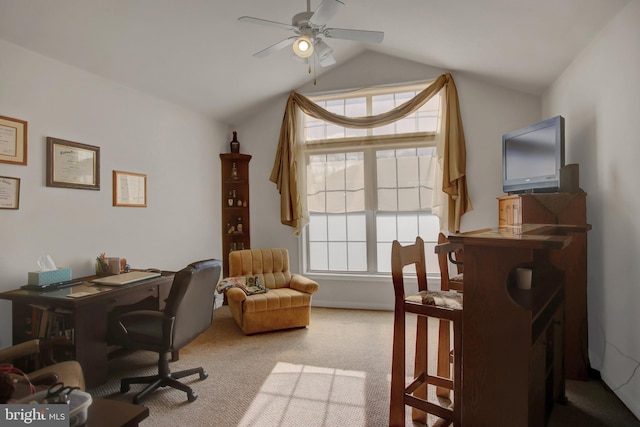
(195, 53)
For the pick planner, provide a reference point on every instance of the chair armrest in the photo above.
(303, 284)
(236, 295)
(45, 379)
(17, 351)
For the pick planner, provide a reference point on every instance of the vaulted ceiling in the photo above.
(196, 54)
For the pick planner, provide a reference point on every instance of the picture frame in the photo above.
(129, 189)
(9, 192)
(72, 165)
(13, 141)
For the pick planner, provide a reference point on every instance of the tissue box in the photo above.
(41, 278)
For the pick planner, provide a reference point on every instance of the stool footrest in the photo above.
(426, 406)
(431, 379)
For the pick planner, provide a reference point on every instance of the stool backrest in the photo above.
(403, 256)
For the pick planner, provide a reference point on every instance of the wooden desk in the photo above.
(512, 359)
(89, 316)
(111, 413)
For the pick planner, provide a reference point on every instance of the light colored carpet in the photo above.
(333, 373)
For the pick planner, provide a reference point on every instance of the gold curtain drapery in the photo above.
(452, 149)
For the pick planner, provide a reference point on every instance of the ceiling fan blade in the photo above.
(259, 21)
(325, 11)
(356, 35)
(275, 47)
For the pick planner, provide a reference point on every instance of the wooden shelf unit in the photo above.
(565, 209)
(235, 180)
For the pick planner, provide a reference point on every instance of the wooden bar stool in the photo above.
(438, 304)
(447, 252)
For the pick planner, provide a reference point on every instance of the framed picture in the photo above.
(129, 189)
(72, 165)
(9, 192)
(13, 141)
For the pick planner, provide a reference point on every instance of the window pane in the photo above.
(355, 201)
(384, 257)
(354, 174)
(407, 228)
(388, 200)
(408, 199)
(335, 202)
(386, 227)
(335, 174)
(318, 259)
(408, 171)
(356, 228)
(337, 228)
(429, 226)
(387, 172)
(335, 106)
(338, 256)
(357, 256)
(317, 227)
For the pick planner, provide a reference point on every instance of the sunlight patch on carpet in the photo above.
(295, 395)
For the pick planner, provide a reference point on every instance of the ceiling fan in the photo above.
(309, 28)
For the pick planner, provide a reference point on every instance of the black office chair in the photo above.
(188, 313)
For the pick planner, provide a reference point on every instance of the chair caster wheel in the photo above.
(124, 388)
(203, 376)
(192, 396)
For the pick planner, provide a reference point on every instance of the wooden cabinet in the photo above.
(565, 209)
(512, 358)
(236, 225)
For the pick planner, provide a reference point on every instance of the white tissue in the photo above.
(45, 262)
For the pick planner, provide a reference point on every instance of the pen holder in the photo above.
(102, 267)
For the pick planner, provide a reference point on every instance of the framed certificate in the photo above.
(129, 189)
(13, 141)
(9, 192)
(72, 165)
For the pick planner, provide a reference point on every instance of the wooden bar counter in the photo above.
(512, 368)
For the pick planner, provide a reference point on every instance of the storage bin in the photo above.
(79, 402)
(79, 408)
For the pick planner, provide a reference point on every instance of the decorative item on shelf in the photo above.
(244, 204)
(234, 172)
(239, 225)
(235, 144)
(230, 228)
(239, 201)
(240, 246)
(231, 199)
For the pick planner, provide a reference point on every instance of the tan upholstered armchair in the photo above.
(68, 372)
(287, 304)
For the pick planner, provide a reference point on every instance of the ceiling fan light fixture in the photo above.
(323, 51)
(303, 46)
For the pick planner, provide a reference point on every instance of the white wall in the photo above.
(487, 111)
(599, 96)
(178, 150)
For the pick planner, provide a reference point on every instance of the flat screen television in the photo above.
(532, 157)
